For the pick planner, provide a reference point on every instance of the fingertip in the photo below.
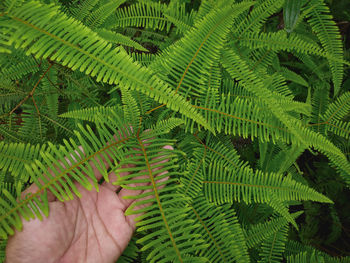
(168, 147)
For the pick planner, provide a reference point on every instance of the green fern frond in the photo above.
(259, 232)
(34, 206)
(111, 66)
(292, 76)
(199, 48)
(84, 9)
(19, 69)
(119, 39)
(282, 209)
(225, 244)
(145, 14)
(97, 17)
(325, 28)
(258, 16)
(338, 109)
(17, 155)
(273, 247)
(225, 185)
(91, 114)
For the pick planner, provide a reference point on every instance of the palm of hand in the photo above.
(92, 228)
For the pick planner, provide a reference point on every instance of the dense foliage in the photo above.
(251, 94)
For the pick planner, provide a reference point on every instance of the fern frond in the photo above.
(166, 212)
(19, 69)
(338, 109)
(225, 244)
(100, 14)
(145, 14)
(328, 33)
(112, 66)
(176, 14)
(91, 114)
(258, 16)
(241, 117)
(119, 39)
(273, 247)
(199, 48)
(259, 232)
(16, 155)
(84, 9)
(31, 207)
(225, 185)
(277, 41)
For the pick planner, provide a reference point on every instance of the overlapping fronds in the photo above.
(34, 206)
(259, 232)
(258, 16)
(16, 155)
(167, 210)
(328, 33)
(198, 49)
(93, 55)
(221, 168)
(225, 244)
(273, 247)
(98, 16)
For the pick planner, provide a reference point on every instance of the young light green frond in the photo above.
(292, 76)
(176, 14)
(91, 114)
(241, 117)
(340, 128)
(34, 206)
(84, 9)
(281, 41)
(283, 159)
(226, 185)
(328, 33)
(165, 126)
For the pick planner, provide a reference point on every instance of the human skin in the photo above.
(92, 228)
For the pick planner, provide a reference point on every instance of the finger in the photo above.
(34, 189)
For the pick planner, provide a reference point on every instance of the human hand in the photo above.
(92, 228)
